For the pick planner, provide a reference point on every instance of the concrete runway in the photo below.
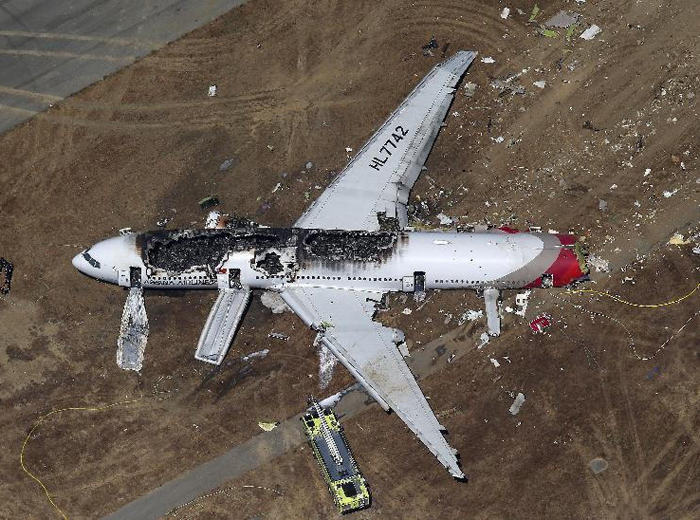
(52, 49)
(266, 447)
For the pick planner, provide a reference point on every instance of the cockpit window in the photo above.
(90, 260)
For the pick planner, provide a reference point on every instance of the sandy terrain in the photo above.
(308, 79)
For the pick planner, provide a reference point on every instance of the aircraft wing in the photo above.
(343, 319)
(381, 175)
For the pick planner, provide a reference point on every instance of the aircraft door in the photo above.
(415, 283)
(134, 277)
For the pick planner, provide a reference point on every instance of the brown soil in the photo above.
(310, 79)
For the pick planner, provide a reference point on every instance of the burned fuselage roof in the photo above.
(181, 250)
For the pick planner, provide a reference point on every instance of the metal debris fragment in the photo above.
(268, 426)
(488, 59)
(602, 205)
(517, 404)
(470, 89)
(212, 91)
(225, 165)
(495, 362)
(484, 339)
(541, 323)
(326, 365)
(505, 13)
(444, 219)
(208, 202)
(678, 240)
(521, 301)
(563, 19)
(277, 335)
(591, 32)
(133, 332)
(6, 268)
(257, 354)
(600, 265)
(540, 84)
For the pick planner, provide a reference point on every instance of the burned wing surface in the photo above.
(375, 185)
(343, 319)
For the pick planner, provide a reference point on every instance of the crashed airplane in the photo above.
(351, 247)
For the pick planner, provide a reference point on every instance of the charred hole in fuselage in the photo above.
(271, 263)
(349, 245)
(177, 251)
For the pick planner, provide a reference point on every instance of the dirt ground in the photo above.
(299, 81)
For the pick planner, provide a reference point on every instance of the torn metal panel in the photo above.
(133, 332)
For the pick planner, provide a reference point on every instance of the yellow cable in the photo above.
(641, 305)
(36, 425)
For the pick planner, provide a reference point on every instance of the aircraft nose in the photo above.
(79, 262)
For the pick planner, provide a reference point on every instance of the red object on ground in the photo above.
(541, 323)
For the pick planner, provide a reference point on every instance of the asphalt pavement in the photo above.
(50, 49)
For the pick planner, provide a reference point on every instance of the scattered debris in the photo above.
(470, 315)
(505, 13)
(505, 87)
(669, 194)
(226, 165)
(277, 187)
(495, 362)
(535, 12)
(484, 339)
(678, 240)
(274, 302)
(277, 335)
(212, 91)
(600, 265)
(541, 323)
(163, 222)
(562, 19)
(517, 404)
(208, 202)
(602, 205)
(470, 89)
(591, 32)
(309, 165)
(427, 48)
(598, 465)
(213, 220)
(268, 426)
(256, 354)
(540, 84)
(521, 301)
(6, 268)
(549, 33)
(498, 139)
(406, 311)
(133, 332)
(488, 59)
(348, 149)
(444, 219)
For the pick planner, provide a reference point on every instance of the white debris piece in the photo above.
(472, 315)
(470, 89)
(278, 335)
(212, 91)
(133, 332)
(647, 172)
(498, 139)
(488, 59)
(484, 339)
(515, 407)
(212, 220)
(613, 187)
(521, 301)
(505, 13)
(257, 354)
(348, 149)
(403, 349)
(406, 311)
(495, 362)
(669, 194)
(268, 426)
(279, 185)
(326, 365)
(600, 265)
(444, 219)
(540, 84)
(274, 302)
(591, 32)
(678, 240)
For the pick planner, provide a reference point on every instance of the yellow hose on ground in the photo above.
(640, 305)
(36, 425)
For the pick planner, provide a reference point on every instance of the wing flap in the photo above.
(344, 321)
